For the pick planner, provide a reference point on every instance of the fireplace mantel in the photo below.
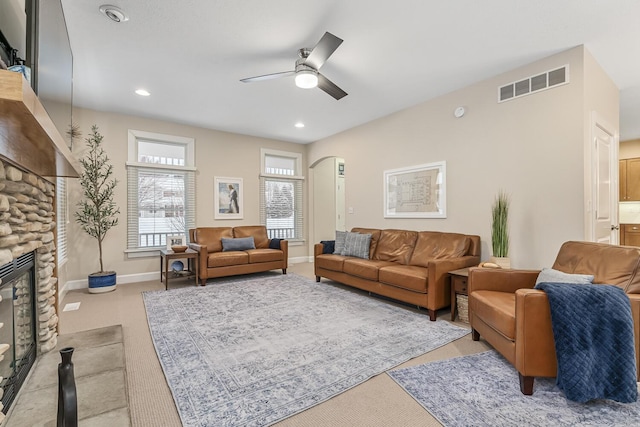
(28, 137)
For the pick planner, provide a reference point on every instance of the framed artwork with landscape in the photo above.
(416, 191)
(227, 198)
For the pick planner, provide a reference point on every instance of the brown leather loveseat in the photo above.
(409, 266)
(516, 319)
(215, 261)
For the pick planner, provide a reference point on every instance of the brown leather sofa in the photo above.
(409, 266)
(516, 319)
(214, 262)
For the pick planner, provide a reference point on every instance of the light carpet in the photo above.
(483, 390)
(254, 351)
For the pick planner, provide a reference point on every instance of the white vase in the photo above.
(502, 261)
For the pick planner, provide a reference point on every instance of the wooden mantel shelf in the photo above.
(28, 137)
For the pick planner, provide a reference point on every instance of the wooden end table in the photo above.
(458, 287)
(167, 255)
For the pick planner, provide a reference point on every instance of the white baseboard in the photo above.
(122, 279)
(300, 260)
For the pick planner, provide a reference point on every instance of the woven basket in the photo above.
(463, 307)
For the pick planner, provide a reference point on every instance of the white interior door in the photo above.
(606, 183)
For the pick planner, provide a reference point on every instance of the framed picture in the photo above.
(416, 191)
(227, 198)
(177, 240)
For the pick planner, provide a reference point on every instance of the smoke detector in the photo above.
(114, 13)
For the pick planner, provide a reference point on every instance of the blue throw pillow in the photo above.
(549, 275)
(328, 246)
(238, 244)
(274, 243)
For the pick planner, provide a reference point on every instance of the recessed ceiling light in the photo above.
(299, 125)
(114, 13)
(142, 92)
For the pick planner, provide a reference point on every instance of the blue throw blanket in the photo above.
(593, 332)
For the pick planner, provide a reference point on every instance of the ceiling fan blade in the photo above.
(268, 77)
(323, 50)
(331, 88)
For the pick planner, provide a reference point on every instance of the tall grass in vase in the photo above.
(500, 230)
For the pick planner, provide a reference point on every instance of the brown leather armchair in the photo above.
(515, 318)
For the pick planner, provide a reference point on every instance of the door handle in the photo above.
(615, 227)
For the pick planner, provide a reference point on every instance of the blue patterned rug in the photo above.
(484, 390)
(254, 351)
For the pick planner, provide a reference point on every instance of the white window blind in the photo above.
(281, 190)
(160, 189)
(62, 218)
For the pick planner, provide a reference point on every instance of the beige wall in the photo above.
(532, 147)
(217, 154)
(629, 149)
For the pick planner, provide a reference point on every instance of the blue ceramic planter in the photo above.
(102, 282)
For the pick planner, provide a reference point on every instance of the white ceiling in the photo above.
(191, 54)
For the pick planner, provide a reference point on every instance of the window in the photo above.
(281, 189)
(62, 219)
(160, 190)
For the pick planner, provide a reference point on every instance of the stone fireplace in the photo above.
(27, 223)
(31, 148)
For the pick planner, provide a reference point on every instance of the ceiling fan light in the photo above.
(306, 79)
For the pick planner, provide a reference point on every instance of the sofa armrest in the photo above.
(502, 280)
(438, 283)
(317, 250)
(535, 345)
(203, 254)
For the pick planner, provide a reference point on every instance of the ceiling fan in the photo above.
(307, 66)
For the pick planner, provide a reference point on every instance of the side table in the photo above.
(167, 255)
(458, 287)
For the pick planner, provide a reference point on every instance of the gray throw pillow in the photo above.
(238, 244)
(339, 246)
(555, 276)
(357, 245)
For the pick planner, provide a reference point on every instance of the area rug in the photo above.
(483, 390)
(254, 351)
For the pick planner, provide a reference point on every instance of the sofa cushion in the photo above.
(357, 245)
(432, 245)
(554, 276)
(224, 259)
(211, 237)
(330, 262)
(258, 232)
(265, 255)
(395, 246)
(409, 277)
(364, 268)
(375, 236)
(237, 244)
(338, 247)
(498, 310)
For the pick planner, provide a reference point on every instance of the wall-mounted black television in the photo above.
(37, 31)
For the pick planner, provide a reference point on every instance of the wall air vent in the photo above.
(546, 80)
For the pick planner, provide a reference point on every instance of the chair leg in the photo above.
(526, 384)
(284, 271)
(433, 315)
(203, 282)
(317, 278)
(475, 335)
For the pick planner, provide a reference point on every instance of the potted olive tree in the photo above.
(500, 230)
(97, 212)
